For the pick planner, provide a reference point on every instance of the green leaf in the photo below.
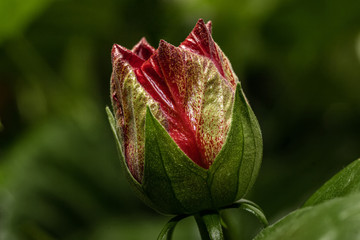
(236, 167)
(172, 180)
(334, 219)
(344, 183)
(167, 231)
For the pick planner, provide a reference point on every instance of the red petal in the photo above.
(143, 49)
(172, 62)
(209, 26)
(119, 52)
(201, 42)
(172, 65)
(193, 86)
(152, 80)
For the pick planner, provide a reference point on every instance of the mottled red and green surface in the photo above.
(189, 89)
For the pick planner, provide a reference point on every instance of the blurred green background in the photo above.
(60, 178)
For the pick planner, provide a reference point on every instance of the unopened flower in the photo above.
(187, 136)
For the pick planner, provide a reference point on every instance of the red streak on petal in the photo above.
(201, 42)
(165, 75)
(126, 55)
(151, 78)
(172, 65)
(162, 73)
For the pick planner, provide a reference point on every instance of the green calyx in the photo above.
(174, 184)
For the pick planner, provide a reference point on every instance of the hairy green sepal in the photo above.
(235, 169)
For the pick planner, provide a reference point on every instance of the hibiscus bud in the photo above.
(187, 136)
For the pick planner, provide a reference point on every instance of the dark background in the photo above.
(60, 178)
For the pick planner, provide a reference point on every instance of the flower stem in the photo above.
(209, 224)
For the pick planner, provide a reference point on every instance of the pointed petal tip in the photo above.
(199, 40)
(209, 26)
(120, 52)
(201, 24)
(144, 41)
(200, 21)
(162, 43)
(115, 52)
(143, 49)
(165, 46)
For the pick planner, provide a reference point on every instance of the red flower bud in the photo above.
(189, 88)
(190, 91)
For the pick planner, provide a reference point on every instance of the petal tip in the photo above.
(163, 43)
(209, 26)
(144, 41)
(165, 47)
(143, 49)
(115, 52)
(199, 40)
(200, 21)
(122, 53)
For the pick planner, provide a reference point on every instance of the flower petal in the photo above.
(199, 116)
(201, 42)
(128, 98)
(119, 52)
(143, 49)
(174, 69)
(151, 78)
(191, 89)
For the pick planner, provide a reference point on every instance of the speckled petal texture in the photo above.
(189, 89)
(128, 100)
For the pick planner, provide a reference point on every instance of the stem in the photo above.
(209, 224)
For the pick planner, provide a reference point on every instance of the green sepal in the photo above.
(344, 183)
(168, 230)
(252, 208)
(174, 183)
(136, 186)
(236, 167)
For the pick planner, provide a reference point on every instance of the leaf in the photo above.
(344, 183)
(331, 220)
(175, 183)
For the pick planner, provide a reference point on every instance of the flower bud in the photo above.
(187, 136)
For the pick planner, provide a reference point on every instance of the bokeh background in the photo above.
(60, 178)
